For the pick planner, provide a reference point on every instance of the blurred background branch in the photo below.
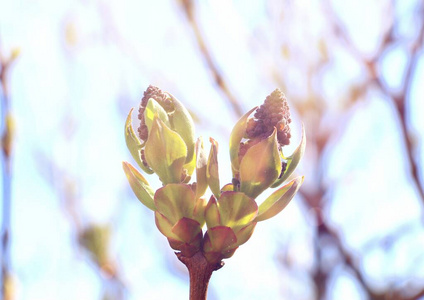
(92, 240)
(399, 97)
(6, 62)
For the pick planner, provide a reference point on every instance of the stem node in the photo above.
(200, 271)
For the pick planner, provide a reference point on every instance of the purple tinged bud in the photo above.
(159, 96)
(273, 113)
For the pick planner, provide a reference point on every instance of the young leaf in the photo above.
(212, 174)
(244, 234)
(236, 136)
(278, 200)
(140, 186)
(201, 165)
(199, 211)
(221, 239)
(293, 160)
(165, 226)
(212, 214)
(182, 122)
(165, 152)
(260, 167)
(153, 108)
(175, 201)
(187, 229)
(134, 144)
(236, 210)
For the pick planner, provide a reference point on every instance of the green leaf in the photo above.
(154, 108)
(293, 160)
(165, 152)
(139, 185)
(175, 201)
(278, 200)
(260, 166)
(236, 136)
(212, 173)
(134, 144)
(236, 210)
(201, 165)
(182, 122)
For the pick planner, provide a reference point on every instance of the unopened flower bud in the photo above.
(160, 97)
(256, 145)
(273, 113)
(166, 131)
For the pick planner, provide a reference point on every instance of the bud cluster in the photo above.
(168, 149)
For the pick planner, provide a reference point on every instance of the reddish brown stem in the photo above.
(200, 271)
